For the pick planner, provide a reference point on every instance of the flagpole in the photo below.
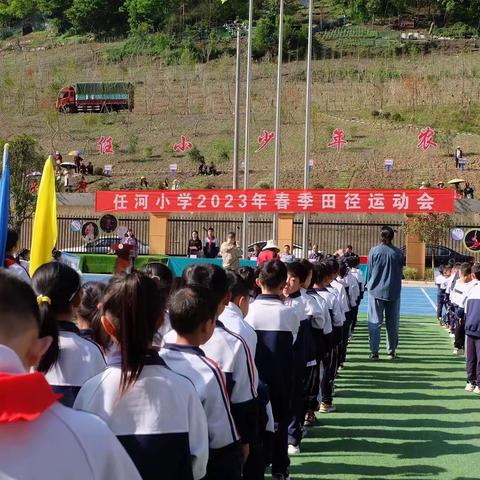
(276, 175)
(5, 157)
(248, 101)
(308, 98)
(236, 139)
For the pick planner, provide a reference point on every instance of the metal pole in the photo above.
(308, 98)
(278, 114)
(248, 101)
(236, 139)
(5, 156)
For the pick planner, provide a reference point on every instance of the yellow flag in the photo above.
(45, 230)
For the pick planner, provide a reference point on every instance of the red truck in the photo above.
(96, 97)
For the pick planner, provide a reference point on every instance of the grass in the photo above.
(395, 420)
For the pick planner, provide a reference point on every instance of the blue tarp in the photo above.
(178, 264)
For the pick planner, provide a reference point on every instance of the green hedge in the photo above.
(106, 263)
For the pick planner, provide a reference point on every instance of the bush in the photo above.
(195, 156)
(265, 184)
(457, 30)
(132, 144)
(410, 273)
(396, 117)
(148, 151)
(105, 185)
(429, 274)
(98, 171)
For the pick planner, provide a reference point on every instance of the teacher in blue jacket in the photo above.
(384, 284)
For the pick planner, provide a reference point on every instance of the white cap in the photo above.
(271, 245)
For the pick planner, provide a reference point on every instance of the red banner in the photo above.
(278, 201)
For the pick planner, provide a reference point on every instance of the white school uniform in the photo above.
(305, 310)
(232, 318)
(231, 353)
(79, 360)
(459, 293)
(353, 288)
(21, 272)
(331, 296)
(358, 274)
(59, 444)
(315, 309)
(277, 327)
(339, 290)
(349, 295)
(159, 419)
(210, 384)
(162, 331)
(325, 308)
(440, 280)
(450, 283)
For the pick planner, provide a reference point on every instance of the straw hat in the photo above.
(271, 245)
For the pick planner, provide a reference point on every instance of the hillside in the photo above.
(381, 103)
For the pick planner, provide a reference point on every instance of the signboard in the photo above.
(472, 240)
(278, 201)
(458, 234)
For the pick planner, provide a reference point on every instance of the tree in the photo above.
(429, 228)
(56, 12)
(12, 11)
(25, 158)
(101, 17)
(146, 15)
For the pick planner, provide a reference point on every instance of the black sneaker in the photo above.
(374, 356)
(392, 356)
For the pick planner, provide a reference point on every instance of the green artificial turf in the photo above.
(408, 418)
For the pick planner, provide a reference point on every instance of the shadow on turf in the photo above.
(403, 410)
(398, 423)
(415, 448)
(419, 435)
(322, 470)
(406, 396)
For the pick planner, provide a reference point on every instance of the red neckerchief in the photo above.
(9, 261)
(24, 397)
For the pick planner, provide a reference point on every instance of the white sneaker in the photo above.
(455, 351)
(293, 450)
(477, 390)
(452, 335)
(470, 387)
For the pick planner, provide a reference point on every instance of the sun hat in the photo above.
(271, 245)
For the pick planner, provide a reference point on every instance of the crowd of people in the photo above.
(215, 375)
(458, 311)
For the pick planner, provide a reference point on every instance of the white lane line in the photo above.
(429, 299)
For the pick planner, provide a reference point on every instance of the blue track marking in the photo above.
(416, 301)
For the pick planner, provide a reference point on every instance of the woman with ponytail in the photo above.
(155, 413)
(71, 359)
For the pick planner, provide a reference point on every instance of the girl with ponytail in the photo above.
(155, 413)
(71, 360)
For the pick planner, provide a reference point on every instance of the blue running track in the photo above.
(416, 301)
